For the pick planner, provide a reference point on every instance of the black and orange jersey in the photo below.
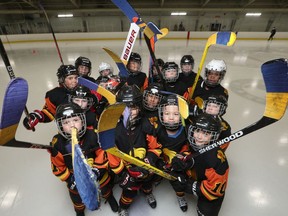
(188, 80)
(211, 171)
(62, 162)
(177, 87)
(202, 92)
(140, 79)
(226, 131)
(54, 98)
(172, 144)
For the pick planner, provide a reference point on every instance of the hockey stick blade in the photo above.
(99, 89)
(106, 129)
(220, 38)
(10, 70)
(275, 75)
(14, 103)
(86, 180)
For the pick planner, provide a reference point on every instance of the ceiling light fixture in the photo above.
(178, 13)
(65, 15)
(253, 14)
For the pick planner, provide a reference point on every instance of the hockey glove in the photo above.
(138, 172)
(180, 164)
(33, 119)
(128, 182)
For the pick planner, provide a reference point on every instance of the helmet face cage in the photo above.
(64, 71)
(170, 66)
(207, 129)
(213, 136)
(222, 102)
(151, 99)
(82, 92)
(81, 131)
(170, 101)
(215, 66)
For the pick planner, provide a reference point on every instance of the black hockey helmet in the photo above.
(187, 59)
(153, 90)
(130, 95)
(66, 111)
(83, 61)
(160, 62)
(206, 124)
(135, 57)
(168, 66)
(82, 92)
(64, 71)
(217, 99)
(170, 100)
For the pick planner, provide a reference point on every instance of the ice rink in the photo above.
(257, 185)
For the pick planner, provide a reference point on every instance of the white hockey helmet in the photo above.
(216, 66)
(105, 66)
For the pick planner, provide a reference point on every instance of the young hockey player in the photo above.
(105, 70)
(131, 139)
(215, 72)
(83, 66)
(136, 77)
(188, 75)
(68, 116)
(210, 169)
(216, 106)
(172, 137)
(170, 74)
(68, 81)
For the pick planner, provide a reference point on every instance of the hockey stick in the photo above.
(53, 34)
(99, 89)
(106, 129)
(130, 41)
(10, 71)
(220, 38)
(275, 76)
(86, 180)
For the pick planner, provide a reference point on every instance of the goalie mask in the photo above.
(132, 97)
(204, 131)
(68, 116)
(215, 71)
(169, 114)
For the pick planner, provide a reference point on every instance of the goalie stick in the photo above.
(106, 129)
(220, 38)
(10, 71)
(86, 180)
(275, 75)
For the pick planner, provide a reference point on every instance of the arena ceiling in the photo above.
(144, 7)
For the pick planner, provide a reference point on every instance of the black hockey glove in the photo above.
(138, 172)
(180, 184)
(33, 119)
(128, 183)
(180, 164)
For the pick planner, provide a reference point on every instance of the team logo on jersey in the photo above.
(221, 156)
(54, 140)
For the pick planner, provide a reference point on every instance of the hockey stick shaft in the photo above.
(106, 128)
(10, 71)
(220, 38)
(276, 81)
(53, 34)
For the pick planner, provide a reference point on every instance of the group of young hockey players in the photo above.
(150, 129)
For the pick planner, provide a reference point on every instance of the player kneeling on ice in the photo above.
(210, 168)
(70, 116)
